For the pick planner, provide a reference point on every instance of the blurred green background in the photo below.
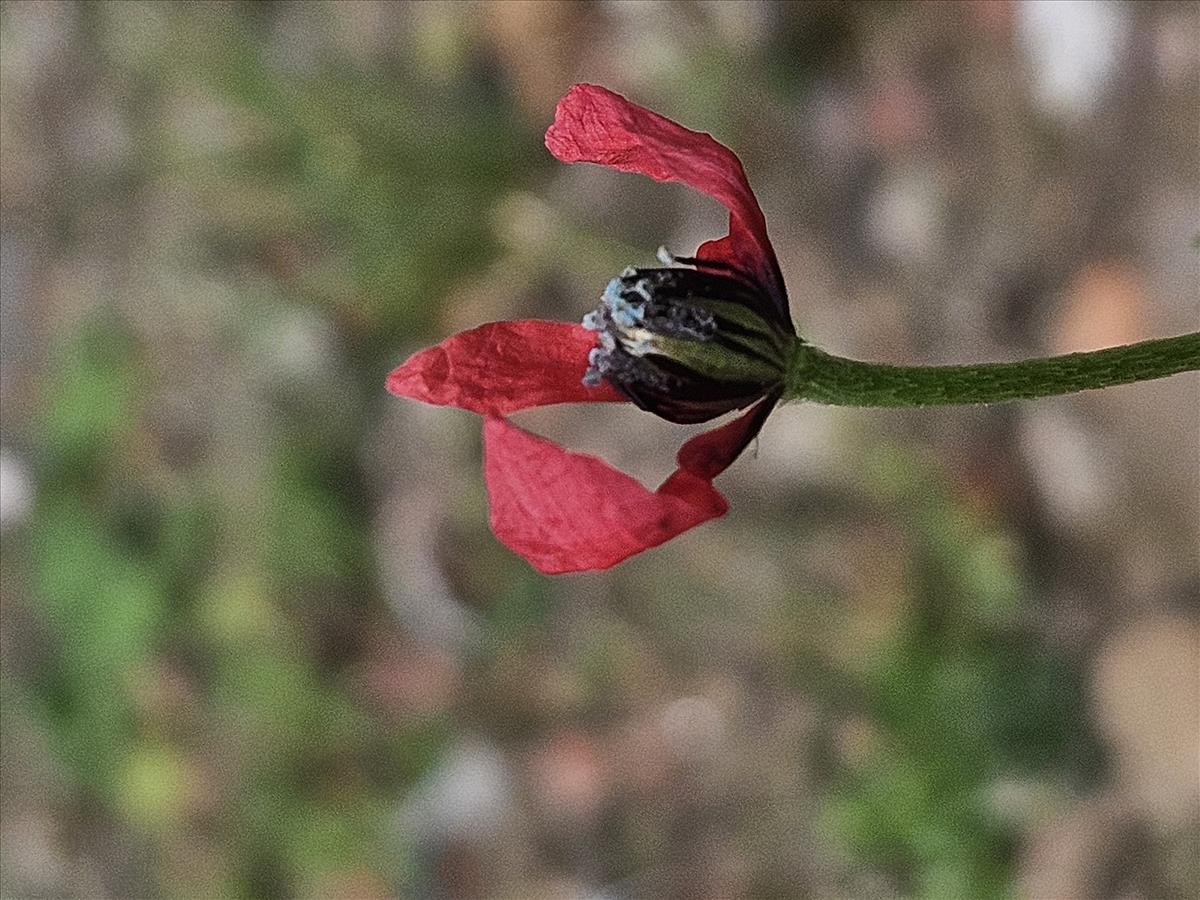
(257, 640)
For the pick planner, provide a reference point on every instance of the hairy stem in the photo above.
(823, 378)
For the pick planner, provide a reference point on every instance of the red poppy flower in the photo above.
(697, 338)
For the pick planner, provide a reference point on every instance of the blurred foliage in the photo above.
(373, 193)
(961, 698)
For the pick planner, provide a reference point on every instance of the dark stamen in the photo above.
(654, 328)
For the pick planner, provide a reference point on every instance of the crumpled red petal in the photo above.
(572, 512)
(503, 367)
(709, 454)
(593, 124)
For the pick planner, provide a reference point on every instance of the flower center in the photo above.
(686, 343)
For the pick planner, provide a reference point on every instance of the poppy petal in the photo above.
(709, 454)
(593, 124)
(572, 512)
(503, 367)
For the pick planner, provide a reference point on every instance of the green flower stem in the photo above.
(823, 378)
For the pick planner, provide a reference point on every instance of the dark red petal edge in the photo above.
(709, 454)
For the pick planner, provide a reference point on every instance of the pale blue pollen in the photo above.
(621, 311)
(612, 293)
(619, 322)
(626, 314)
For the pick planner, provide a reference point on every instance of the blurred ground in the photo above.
(256, 639)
